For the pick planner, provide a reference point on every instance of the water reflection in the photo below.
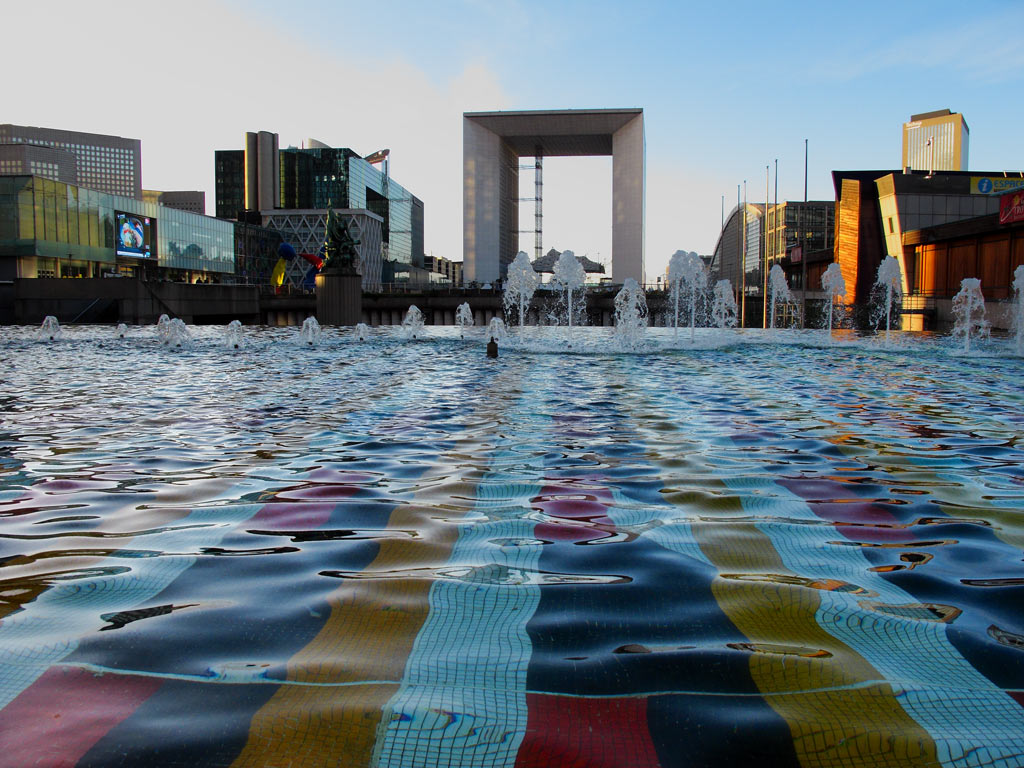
(382, 553)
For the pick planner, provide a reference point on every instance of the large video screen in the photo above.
(135, 235)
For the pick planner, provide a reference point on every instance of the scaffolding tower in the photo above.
(538, 202)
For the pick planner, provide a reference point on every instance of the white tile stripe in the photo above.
(462, 701)
(49, 628)
(916, 656)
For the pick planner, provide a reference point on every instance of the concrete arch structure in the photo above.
(493, 142)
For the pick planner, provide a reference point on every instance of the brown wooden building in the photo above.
(941, 227)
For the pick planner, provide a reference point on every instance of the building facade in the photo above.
(739, 252)
(308, 181)
(443, 270)
(110, 164)
(38, 160)
(52, 229)
(193, 201)
(256, 253)
(877, 213)
(305, 232)
(493, 142)
(936, 141)
(806, 226)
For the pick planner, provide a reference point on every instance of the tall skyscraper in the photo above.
(109, 164)
(936, 141)
(265, 179)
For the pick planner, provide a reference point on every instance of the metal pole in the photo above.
(803, 250)
(739, 239)
(779, 230)
(743, 260)
(764, 268)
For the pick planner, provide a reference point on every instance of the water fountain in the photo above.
(463, 318)
(122, 330)
(176, 334)
(233, 334)
(723, 309)
(687, 271)
(412, 323)
(472, 563)
(1017, 321)
(311, 331)
(889, 283)
(496, 330)
(630, 315)
(569, 276)
(163, 325)
(50, 329)
(969, 312)
(835, 288)
(362, 331)
(778, 290)
(520, 284)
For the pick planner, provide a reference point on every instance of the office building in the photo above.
(193, 201)
(38, 160)
(310, 179)
(110, 164)
(936, 141)
(443, 271)
(795, 227)
(52, 229)
(796, 231)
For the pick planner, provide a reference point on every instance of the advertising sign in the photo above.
(1011, 207)
(988, 185)
(134, 235)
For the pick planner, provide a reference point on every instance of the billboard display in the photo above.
(134, 235)
(1011, 207)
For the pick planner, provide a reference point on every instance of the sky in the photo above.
(726, 88)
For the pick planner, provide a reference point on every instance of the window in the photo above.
(892, 229)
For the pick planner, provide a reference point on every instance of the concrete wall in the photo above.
(490, 189)
(481, 202)
(628, 201)
(91, 300)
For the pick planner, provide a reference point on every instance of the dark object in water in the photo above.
(492, 348)
(120, 619)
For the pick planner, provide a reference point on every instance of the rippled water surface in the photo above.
(392, 553)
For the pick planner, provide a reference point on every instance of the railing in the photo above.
(91, 305)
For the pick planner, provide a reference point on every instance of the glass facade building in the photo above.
(52, 229)
(229, 181)
(811, 225)
(733, 248)
(316, 178)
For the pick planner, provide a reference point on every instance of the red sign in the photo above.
(1011, 207)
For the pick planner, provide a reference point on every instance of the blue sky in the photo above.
(726, 89)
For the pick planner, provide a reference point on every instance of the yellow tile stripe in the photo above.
(372, 626)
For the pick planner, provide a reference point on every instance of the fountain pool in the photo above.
(396, 553)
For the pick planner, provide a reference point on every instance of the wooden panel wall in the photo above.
(940, 267)
(847, 240)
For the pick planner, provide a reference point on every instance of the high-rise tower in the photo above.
(936, 141)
